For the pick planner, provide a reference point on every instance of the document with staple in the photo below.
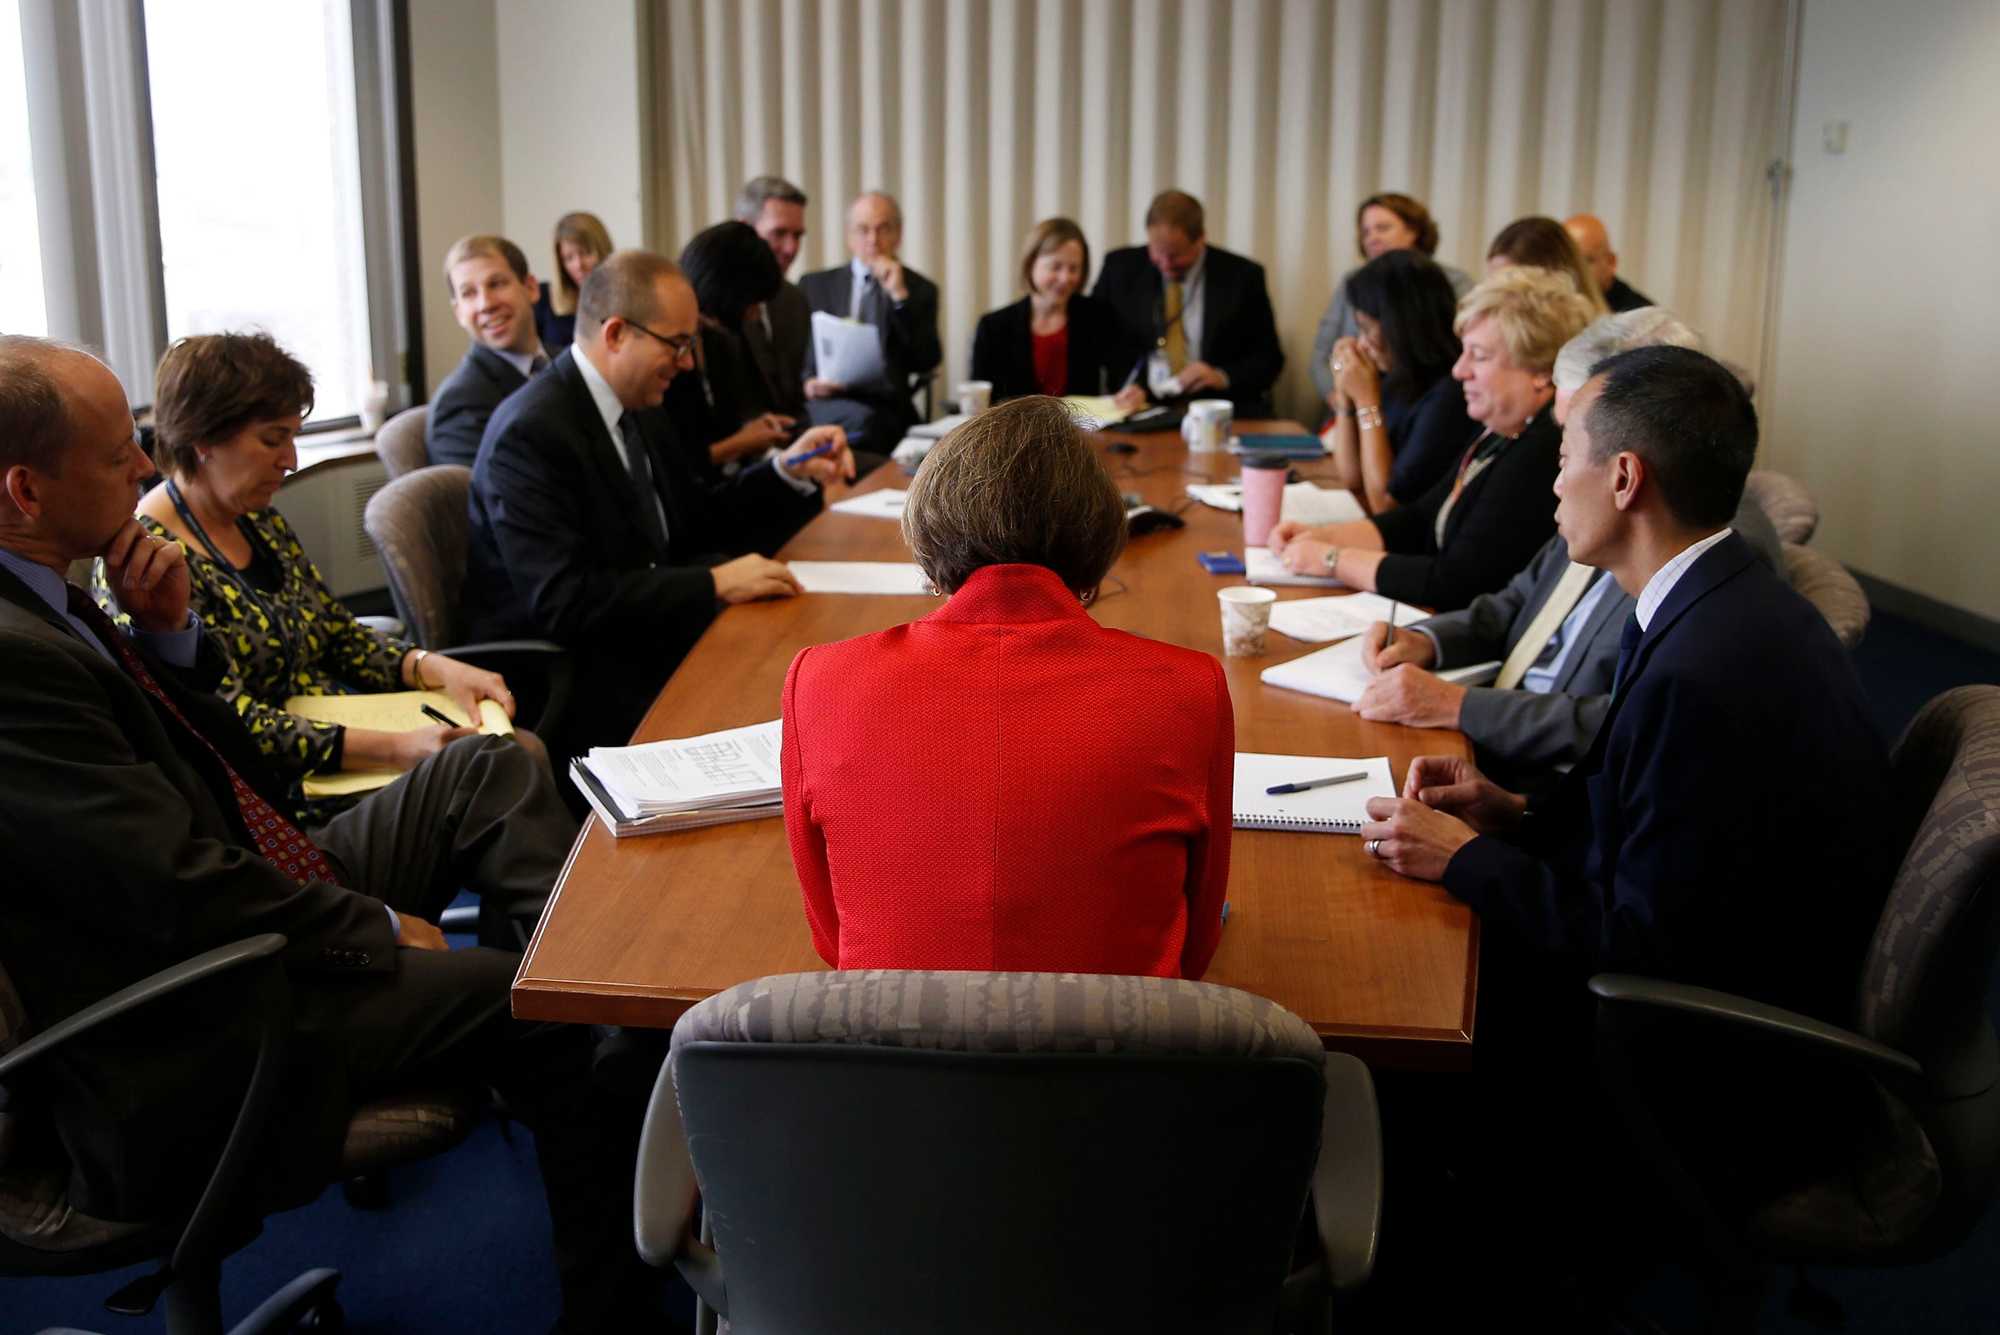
(846, 351)
(736, 767)
(893, 577)
(884, 504)
(1318, 620)
(1337, 673)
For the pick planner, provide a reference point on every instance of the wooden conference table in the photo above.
(641, 928)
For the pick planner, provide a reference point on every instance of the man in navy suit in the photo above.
(1202, 313)
(493, 299)
(589, 528)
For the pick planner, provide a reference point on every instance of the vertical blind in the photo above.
(983, 116)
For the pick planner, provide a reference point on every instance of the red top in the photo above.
(1006, 784)
(1051, 360)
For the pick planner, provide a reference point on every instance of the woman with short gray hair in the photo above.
(1006, 784)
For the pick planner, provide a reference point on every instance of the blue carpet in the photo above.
(464, 1244)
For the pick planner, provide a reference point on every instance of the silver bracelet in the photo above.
(417, 669)
(1365, 418)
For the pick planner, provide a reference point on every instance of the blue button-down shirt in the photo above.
(177, 647)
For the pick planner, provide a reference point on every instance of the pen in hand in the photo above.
(1315, 783)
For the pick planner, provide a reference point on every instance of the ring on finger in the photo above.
(1374, 848)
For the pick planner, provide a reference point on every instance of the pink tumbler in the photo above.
(1263, 497)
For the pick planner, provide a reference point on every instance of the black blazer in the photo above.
(1729, 826)
(465, 402)
(1499, 523)
(780, 360)
(910, 346)
(126, 853)
(1100, 353)
(556, 331)
(1239, 335)
(559, 547)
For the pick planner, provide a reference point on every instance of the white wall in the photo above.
(1886, 399)
(455, 107)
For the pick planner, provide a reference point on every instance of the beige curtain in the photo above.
(983, 116)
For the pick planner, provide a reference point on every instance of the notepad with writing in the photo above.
(1335, 809)
(1338, 673)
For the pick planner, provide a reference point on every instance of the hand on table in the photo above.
(1412, 838)
(1303, 556)
(751, 577)
(1455, 786)
(149, 578)
(1409, 695)
(1382, 647)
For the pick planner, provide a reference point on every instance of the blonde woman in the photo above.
(581, 241)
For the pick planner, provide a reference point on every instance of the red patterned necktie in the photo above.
(283, 844)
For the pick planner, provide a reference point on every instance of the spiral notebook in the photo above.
(1336, 809)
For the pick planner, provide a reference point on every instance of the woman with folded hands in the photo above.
(1006, 784)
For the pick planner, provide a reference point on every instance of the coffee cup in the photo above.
(1246, 616)
(975, 396)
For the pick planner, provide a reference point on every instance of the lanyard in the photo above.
(279, 625)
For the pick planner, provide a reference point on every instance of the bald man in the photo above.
(1587, 230)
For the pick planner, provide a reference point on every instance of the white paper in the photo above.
(727, 768)
(1335, 809)
(884, 504)
(894, 577)
(1261, 566)
(1337, 673)
(846, 351)
(1304, 502)
(1318, 620)
(938, 429)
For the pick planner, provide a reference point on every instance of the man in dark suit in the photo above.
(141, 828)
(1203, 313)
(876, 288)
(1594, 241)
(778, 336)
(588, 526)
(493, 300)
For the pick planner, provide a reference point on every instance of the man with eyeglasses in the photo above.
(589, 529)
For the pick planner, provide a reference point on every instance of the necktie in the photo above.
(1628, 642)
(1174, 343)
(282, 844)
(538, 365)
(1542, 641)
(641, 468)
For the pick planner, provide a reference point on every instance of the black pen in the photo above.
(1315, 783)
(440, 716)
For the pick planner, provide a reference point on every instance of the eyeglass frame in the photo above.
(681, 345)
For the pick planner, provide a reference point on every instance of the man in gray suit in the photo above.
(777, 210)
(1554, 628)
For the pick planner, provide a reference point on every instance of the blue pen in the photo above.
(1315, 783)
(819, 451)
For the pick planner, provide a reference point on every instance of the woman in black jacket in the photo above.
(1055, 340)
(1486, 517)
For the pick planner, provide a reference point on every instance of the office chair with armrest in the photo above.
(941, 1152)
(1825, 583)
(1785, 500)
(42, 1233)
(1925, 1171)
(399, 442)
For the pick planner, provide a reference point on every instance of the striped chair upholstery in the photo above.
(1825, 583)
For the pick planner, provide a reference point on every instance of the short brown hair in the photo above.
(1177, 208)
(1015, 485)
(466, 247)
(34, 412)
(585, 231)
(1535, 310)
(210, 386)
(624, 284)
(1413, 214)
(1544, 243)
(1051, 234)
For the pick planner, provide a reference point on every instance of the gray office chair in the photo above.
(42, 1233)
(942, 1152)
(1826, 584)
(1924, 1173)
(1792, 510)
(399, 443)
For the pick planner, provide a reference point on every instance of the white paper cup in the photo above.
(1246, 615)
(975, 396)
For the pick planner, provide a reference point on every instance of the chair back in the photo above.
(1785, 499)
(886, 1150)
(418, 523)
(399, 442)
(1825, 583)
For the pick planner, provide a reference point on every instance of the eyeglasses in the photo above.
(681, 345)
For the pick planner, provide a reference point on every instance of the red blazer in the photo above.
(1006, 784)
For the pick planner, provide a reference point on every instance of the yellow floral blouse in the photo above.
(315, 647)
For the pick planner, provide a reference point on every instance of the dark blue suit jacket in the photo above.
(1728, 827)
(465, 403)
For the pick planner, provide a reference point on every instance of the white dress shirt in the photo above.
(1663, 580)
(611, 410)
(524, 362)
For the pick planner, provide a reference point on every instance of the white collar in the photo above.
(601, 394)
(524, 362)
(1192, 276)
(1663, 580)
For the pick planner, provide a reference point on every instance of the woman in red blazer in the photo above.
(1006, 784)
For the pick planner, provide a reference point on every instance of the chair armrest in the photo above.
(488, 647)
(664, 1198)
(1756, 1018)
(144, 992)
(1347, 1181)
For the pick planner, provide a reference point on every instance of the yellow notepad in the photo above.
(383, 711)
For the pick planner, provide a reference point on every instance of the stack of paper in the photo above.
(884, 504)
(1337, 673)
(686, 783)
(900, 578)
(937, 430)
(1317, 620)
(383, 711)
(846, 351)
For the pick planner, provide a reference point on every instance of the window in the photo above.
(260, 207)
(22, 308)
